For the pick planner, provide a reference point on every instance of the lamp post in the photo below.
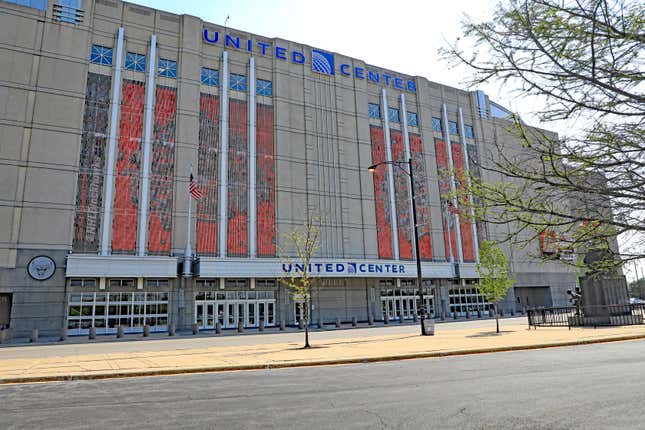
(410, 173)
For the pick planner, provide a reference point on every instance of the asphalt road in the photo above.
(590, 387)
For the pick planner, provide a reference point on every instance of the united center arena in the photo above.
(106, 108)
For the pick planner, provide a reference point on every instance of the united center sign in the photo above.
(321, 61)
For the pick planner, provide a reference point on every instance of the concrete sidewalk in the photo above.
(39, 363)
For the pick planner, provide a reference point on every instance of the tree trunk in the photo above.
(497, 317)
(306, 318)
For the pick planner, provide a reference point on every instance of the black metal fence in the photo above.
(587, 316)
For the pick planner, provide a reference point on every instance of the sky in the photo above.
(400, 35)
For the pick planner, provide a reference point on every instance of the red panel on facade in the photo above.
(162, 171)
(238, 179)
(89, 193)
(402, 197)
(449, 231)
(265, 185)
(467, 245)
(208, 174)
(422, 196)
(381, 195)
(126, 183)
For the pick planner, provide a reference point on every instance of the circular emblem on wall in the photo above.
(41, 268)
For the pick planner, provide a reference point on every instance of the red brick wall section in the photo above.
(467, 245)
(208, 174)
(381, 195)
(128, 165)
(402, 196)
(89, 194)
(422, 196)
(265, 182)
(162, 171)
(238, 196)
(450, 241)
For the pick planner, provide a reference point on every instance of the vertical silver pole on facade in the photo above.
(252, 156)
(390, 175)
(408, 152)
(223, 171)
(114, 117)
(473, 223)
(147, 137)
(453, 187)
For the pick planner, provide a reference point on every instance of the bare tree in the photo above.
(300, 246)
(585, 59)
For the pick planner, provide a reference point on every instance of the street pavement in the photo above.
(584, 387)
(164, 356)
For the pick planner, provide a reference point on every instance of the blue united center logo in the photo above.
(322, 62)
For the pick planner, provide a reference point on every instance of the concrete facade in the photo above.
(310, 139)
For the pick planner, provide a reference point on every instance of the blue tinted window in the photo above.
(470, 133)
(412, 119)
(436, 124)
(393, 115)
(452, 127)
(210, 77)
(36, 4)
(238, 82)
(101, 55)
(498, 111)
(374, 110)
(167, 68)
(136, 62)
(264, 88)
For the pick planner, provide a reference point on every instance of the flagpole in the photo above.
(187, 251)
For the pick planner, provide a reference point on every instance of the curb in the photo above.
(284, 365)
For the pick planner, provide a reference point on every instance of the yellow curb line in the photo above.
(283, 365)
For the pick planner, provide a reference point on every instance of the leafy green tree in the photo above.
(584, 61)
(299, 247)
(494, 279)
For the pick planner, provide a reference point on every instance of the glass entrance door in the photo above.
(397, 303)
(231, 308)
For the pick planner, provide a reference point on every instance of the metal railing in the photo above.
(587, 316)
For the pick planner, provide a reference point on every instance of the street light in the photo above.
(410, 173)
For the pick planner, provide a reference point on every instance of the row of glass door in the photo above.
(395, 306)
(230, 313)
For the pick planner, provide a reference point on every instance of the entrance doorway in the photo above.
(405, 302)
(5, 309)
(232, 307)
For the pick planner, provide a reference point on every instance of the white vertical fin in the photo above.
(147, 137)
(114, 118)
(390, 175)
(408, 155)
(453, 187)
(473, 224)
(252, 159)
(223, 171)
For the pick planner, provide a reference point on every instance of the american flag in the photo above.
(194, 191)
